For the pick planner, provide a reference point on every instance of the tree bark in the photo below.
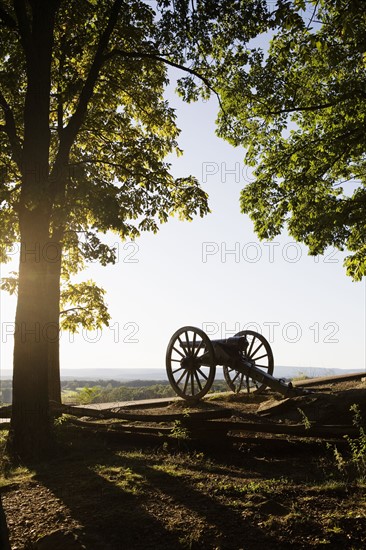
(30, 426)
(53, 291)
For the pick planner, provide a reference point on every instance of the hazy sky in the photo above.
(213, 273)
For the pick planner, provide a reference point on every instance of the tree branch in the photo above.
(108, 163)
(74, 309)
(23, 25)
(319, 107)
(96, 161)
(158, 57)
(10, 128)
(60, 104)
(70, 131)
(301, 109)
(313, 14)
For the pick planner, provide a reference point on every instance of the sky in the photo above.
(215, 274)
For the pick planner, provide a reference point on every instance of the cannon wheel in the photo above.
(259, 351)
(190, 363)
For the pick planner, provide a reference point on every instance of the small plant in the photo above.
(59, 420)
(305, 420)
(339, 460)
(355, 467)
(358, 445)
(179, 431)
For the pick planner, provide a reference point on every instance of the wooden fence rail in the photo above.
(215, 423)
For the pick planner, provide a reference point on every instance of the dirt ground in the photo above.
(269, 492)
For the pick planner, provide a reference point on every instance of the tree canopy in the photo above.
(300, 110)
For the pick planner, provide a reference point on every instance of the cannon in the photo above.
(246, 358)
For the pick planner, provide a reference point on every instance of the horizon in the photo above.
(124, 373)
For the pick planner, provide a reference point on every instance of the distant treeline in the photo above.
(109, 384)
(104, 391)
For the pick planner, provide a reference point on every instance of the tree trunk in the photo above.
(30, 423)
(53, 288)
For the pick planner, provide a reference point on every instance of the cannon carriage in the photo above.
(246, 358)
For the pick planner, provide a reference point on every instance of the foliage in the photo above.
(87, 307)
(60, 420)
(300, 111)
(82, 304)
(353, 466)
(88, 395)
(123, 393)
(179, 431)
(358, 445)
(305, 420)
(10, 284)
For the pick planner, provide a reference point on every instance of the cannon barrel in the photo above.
(237, 342)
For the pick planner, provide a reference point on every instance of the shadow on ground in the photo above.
(143, 506)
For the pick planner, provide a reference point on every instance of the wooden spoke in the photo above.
(183, 346)
(252, 356)
(261, 357)
(187, 340)
(180, 378)
(176, 370)
(250, 348)
(194, 341)
(240, 383)
(192, 379)
(186, 383)
(202, 374)
(198, 381)
(235, 378)
(180, 353)
(198, 349)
